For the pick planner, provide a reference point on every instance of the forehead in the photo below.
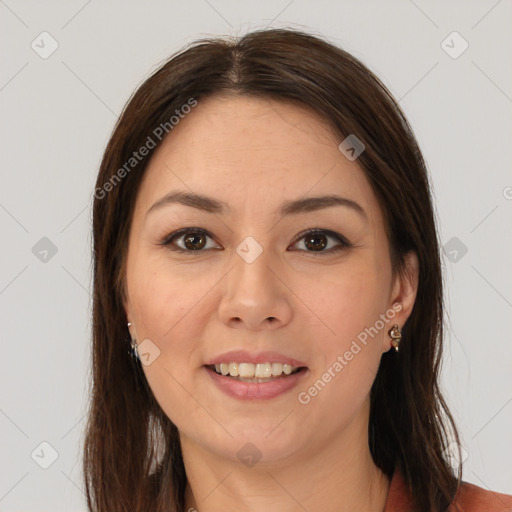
(235, 128)
(249, 151)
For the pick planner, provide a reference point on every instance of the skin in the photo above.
(253, 154)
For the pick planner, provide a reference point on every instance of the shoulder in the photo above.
(469, 498)
(472, 498)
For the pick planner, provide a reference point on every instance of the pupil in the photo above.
(311, 244)
(190, 240)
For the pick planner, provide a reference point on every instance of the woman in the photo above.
(264, 241)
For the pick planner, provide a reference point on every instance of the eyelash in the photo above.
(344, 244)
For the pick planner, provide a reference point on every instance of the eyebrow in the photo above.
(292, 207)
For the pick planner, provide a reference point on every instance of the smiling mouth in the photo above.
(259, 372)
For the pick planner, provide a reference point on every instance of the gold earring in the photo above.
(396, 336)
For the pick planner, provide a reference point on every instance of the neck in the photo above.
(340, 477)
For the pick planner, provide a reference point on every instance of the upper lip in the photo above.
(243, 356)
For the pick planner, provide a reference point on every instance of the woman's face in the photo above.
(251, 287)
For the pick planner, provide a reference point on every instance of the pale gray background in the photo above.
(57, 114)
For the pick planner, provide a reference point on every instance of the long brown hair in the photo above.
(132, 456)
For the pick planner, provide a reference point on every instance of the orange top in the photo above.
(471, 498)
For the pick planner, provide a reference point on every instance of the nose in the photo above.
(255, 295)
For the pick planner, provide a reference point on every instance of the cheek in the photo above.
(169, 311)
(166, 299)
(348, 304)
(350, 351)
(161, 304)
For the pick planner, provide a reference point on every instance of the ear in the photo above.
(405, 288)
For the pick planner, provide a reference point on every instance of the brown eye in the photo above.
(195, 241)
(189, 240)
(316, 240)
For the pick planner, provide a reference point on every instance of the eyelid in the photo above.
(179, 233)
(343, 242)
(321, 231)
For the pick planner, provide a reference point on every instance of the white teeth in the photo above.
(287, 369)
(277, 368)
(251, 370)
(263, 370)
(233, 369)
(246, 370)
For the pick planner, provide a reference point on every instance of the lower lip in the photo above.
(255, 390)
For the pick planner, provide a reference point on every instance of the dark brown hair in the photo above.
(132, 456)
